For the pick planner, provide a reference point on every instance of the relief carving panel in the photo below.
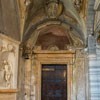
(8, 62)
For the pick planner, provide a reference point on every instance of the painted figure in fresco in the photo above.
(7, 73)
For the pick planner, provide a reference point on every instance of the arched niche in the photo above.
(53, 33)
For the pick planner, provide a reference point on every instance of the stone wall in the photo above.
(9, 18)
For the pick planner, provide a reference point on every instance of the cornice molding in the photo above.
(2, 36)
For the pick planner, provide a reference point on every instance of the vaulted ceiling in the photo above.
(17, 16)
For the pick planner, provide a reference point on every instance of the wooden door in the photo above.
(54, 82)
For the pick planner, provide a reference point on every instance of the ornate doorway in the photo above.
(53, 74)
(54, 82)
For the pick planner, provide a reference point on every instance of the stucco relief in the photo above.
(54, 8)
(8, 63)
(53, 48)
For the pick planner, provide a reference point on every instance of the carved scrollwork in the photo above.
(78, 4)
(53, 48)
(77, 42)
(69, 47)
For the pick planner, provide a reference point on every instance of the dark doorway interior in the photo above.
(54, 82)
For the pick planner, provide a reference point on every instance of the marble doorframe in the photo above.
(53, 57)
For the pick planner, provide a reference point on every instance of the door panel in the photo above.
(54, 82)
